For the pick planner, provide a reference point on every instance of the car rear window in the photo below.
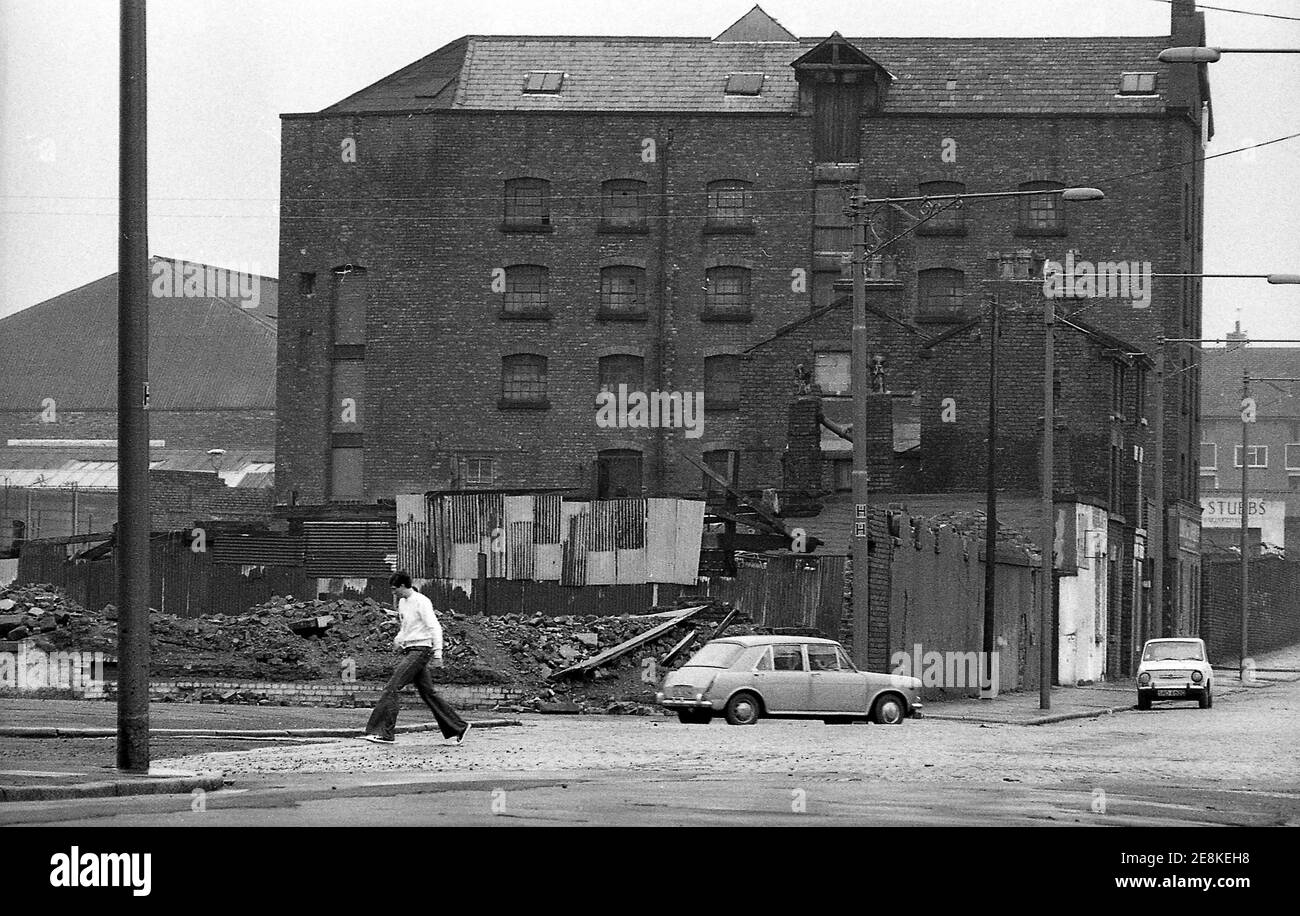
(1173, 652)
(717, 655)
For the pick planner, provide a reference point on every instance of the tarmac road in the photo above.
(1175, 765)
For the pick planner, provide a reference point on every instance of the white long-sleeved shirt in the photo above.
(420, 625)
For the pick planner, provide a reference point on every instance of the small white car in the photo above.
(1175, 669)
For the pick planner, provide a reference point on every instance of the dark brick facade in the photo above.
(434, 335)
(435, 338)
(420, 209)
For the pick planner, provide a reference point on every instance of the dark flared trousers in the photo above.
(413, 669)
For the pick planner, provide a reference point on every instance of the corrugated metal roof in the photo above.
(987, 75)
(338, 549)
(205, 352)
(35, 467)
(259, 549)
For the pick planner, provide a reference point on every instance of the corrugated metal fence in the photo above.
(544, 538)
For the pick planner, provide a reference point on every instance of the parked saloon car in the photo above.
(1175, 669)
(745, 678)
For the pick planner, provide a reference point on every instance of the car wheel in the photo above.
(889, 710)
(1207, 698)
(743, 709)
(1144, 701)
(693, 717)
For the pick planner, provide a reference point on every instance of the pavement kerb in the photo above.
(17, 731)
(173, 785)
(1041, 720)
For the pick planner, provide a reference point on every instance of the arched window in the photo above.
(528, 203)
(622, 369)
(730, 206)
(727, 292)
(622, 290)
(523, 380)
(623, 205)
(527, 290)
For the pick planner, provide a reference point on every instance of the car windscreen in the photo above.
(717, 655)
(1173, 652)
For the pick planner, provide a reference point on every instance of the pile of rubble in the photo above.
(33, 610)
(293, 639)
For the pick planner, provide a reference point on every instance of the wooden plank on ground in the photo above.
(635, 642)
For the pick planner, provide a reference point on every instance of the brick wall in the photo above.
(178, 498)
(432, 308)
(360, 694)
(1274, 620)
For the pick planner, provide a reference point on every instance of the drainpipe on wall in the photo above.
(662, 344)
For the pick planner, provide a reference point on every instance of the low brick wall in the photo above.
(307, 693)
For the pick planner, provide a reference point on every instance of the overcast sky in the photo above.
(221, 73)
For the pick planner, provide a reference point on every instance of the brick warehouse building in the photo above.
(476, 243)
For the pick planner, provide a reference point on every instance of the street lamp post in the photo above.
(930, 207)
(1201, 55)
(1247, 417)
(988, 688)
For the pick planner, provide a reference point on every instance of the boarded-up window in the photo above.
(832, 372)
(347, 408)
(349, 306)
(622, 369)
(623, 204)
(831, 230)
(345, 473)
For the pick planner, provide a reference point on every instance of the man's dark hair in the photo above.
(400, 580)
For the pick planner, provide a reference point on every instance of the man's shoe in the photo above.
(460, 739)
(378, 739)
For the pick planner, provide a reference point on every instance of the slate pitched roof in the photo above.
(205, 353)
(1221, 369)
(987, 75)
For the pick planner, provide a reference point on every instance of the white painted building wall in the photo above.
(1081, 646)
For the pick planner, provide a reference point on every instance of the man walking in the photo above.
(419, 640)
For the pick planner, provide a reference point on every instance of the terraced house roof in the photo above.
(599, 73)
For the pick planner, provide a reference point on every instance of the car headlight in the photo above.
(1144, 678)
(1197, 677)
